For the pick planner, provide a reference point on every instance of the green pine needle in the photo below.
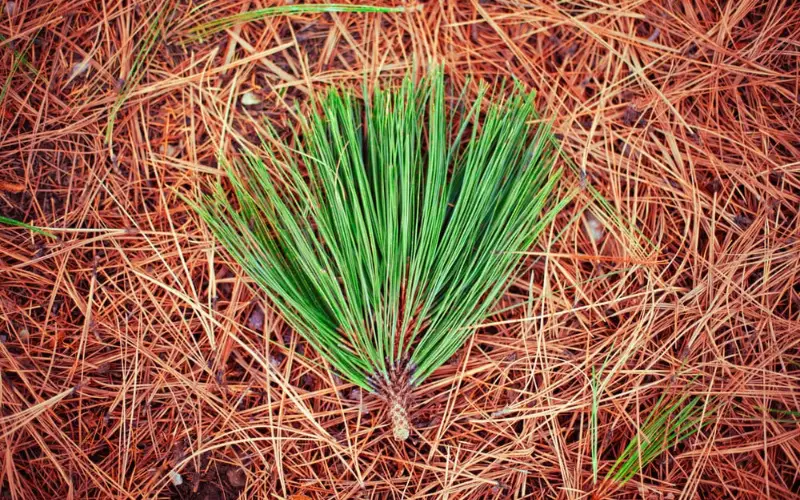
(8, 221)
(143, 50)
(387, 236)
(665, 427)
(226, 22)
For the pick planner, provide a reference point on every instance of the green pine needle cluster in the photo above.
(390, 227)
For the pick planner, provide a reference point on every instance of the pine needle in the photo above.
(8, 221)
(392, 230)
(226, 22)
(665, 427)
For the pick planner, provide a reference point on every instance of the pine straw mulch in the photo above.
(135, 356)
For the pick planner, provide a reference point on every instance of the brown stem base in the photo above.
(396, 391)
(401, 428)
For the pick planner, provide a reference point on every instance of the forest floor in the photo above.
(660, 315)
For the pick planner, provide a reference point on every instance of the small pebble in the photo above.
(594, 227)
(236, 477)
(176, 478)
(250, 99)
(256, 320)
(275, 361)
(169, 150)
(79, 68)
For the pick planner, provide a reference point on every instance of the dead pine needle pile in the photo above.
(625, 330)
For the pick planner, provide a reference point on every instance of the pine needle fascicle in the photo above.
(665, 426)
(390, 231)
